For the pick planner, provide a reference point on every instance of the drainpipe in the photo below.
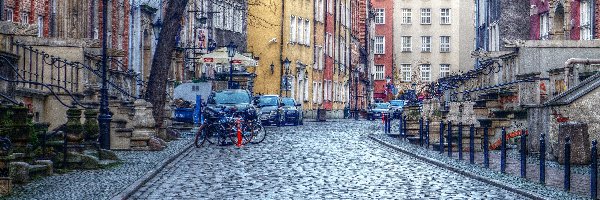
(572, 61)
(593, 21)
(281, 48)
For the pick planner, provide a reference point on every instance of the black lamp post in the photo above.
(231, 52)
(286, 65)
(104, 118)
(272, 67)
(156, 28)
(356, 75)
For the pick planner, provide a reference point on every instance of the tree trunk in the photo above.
(161, 63)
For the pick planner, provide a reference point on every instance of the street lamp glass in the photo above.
(157, 27)
(231, 49)
(272, 67)
(286, 64)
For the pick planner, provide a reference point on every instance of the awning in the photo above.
(220, 57)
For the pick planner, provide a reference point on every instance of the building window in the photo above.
(9, 14)
(406, 44)
(425, 72)
(585, 21)
(426, 44)
(379, 72)
(445, 44)
(495, 38)
(379, 16)
(300, 32)
(544, 27)
(24, 18)
(307, 32)
(425, 15)
(319, 9)
(379, 44)
(218, 15)
(406, 16)
(314, 92)
(292, 29)
(444, 70)
(405, 69)
(40, 24)
(445, 16)
(330, 6)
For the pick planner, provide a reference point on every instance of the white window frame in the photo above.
(426, 44)
(218, 15)
(379, 16)
(40, 25)
(586, 22)
(379, 44)
(330, 6)
(306, 87)
(292, 29)
(425, 72)
(406, 43)
(445, 16)
(444, 70)
(545, 26)
(406, 71)
(444, 44)
(300, 31)
(307, 32)
(406, 16)
(9, 14)
(425, 15)
(320, 92)
(24, 18)
(379, 71)
(315, 92)
(494, 38)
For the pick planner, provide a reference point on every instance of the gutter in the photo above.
(281, 48)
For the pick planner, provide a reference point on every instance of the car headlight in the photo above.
(273, 112)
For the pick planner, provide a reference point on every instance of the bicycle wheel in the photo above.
(245, 135)
(259, 133)
(213, 133)
(200, 137)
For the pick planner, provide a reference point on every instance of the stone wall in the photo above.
(582, 110)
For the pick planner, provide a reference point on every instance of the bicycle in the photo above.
(221, 125)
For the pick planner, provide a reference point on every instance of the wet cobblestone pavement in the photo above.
(331, 160)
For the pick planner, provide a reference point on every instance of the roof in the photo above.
(571, 95)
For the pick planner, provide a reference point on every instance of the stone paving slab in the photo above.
(330, 160)
(99, 184)
(511, 180)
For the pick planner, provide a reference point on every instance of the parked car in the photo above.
(397, 107)
(268, 109)
(240, 100)
(377, 110)
(291, 112)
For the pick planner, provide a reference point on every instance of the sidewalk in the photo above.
(580, 185)
(102, 183)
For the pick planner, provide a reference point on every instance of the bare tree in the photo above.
(159, 73)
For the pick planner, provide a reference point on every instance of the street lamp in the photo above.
(356, 75)
(104, 118)
(157, 26)
(231, 52)
(286, 65)
(272, 67)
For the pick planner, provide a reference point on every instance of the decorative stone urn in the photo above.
(143, 125)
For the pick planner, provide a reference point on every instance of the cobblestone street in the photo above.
(329, 160)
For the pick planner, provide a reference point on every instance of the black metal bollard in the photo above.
(441, 137)
(460, 142)
(472, 144)
(421, 132)
(449, 139)
(523, 154)
(567, 178)
(400, 126)
(503, 152)
(388, 119)
(542, 159)
(427, 133)
(486, 156)
(405, 129)
(594, 171)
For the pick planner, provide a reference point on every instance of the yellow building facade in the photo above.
(281, 31)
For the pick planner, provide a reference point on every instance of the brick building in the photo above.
(383, 47)
(32, 12)
(564, 20)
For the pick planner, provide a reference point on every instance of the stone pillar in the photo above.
(90, 126)
(580, 144)
(143, 124)
(454, 112)
(74, 128)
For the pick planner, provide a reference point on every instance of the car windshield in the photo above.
(397, 103)
(267, 101)
(382, 106)
(232, 97)
(288, 102)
